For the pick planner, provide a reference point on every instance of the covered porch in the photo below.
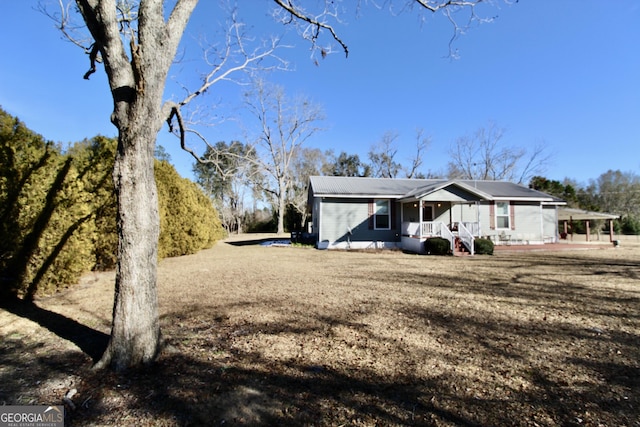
(457, 222)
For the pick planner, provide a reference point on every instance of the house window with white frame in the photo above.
(502, 215)
(382, 215)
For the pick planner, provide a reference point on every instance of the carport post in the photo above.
(611, 230)
(587, 223)
(571, 226)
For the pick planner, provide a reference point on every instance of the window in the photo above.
(382, 215)
(502, 215)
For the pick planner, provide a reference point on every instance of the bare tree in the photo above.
(422, 144)
(484, 156)
(285, 125)
(225, 175)
(306, 162)
(136, 42)
(383, 156)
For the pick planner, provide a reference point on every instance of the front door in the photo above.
(427, 212)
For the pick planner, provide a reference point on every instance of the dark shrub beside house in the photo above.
(483, 246)
(437, 246)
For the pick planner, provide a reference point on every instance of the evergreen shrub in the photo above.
(437, 246)
(58, 211)
(483, 246)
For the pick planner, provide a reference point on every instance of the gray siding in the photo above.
(337, 216)
(527, 218)
(550, 222)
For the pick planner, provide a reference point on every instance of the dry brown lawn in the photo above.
(295, 336)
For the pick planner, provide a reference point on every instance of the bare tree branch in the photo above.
(284, 127)
(235, 47)
(537, 162)
(483, 156)
(422, 144)
(316, 23)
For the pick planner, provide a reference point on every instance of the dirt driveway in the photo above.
(295, 336)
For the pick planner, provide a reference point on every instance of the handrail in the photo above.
(445, 233)
(466, 237)
(473, 227)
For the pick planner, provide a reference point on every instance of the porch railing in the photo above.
(445, 233)
(466, 236)
(472, 227)
(429, 228)
(466, 231)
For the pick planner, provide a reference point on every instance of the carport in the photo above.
(569, 215)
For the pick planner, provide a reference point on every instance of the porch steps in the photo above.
(459, 249)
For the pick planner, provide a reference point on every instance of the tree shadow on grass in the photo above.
(90, 341)
(204, 379)
(183, 390)
(535, 372)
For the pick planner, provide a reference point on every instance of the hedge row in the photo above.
(57, 211)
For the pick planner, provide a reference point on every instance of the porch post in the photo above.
(420, 202)
(610, 230)
(571, 226)
(478, 218)
(587, 224)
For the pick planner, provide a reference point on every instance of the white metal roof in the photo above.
(340, 186)
(566, 214)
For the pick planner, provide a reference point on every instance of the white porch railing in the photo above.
(445, 233)
(466, 236)
(428, 229)
(466, 231)
(472, 227)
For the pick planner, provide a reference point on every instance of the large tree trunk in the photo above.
(135, 334)
(282, 191)
(136, 80)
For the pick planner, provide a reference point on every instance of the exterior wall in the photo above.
(333, 218)
(528, 221)
(550, 224)
(465, 212)
(412, 244)
(338, 216)
(315, 215)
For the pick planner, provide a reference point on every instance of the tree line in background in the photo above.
(238, 180)
(614, 192)
(58, 211)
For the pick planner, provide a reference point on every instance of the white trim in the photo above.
(358, 196)
(522, 199)
(360, 245)
(433, 211)
(508, 215)
(375, 214)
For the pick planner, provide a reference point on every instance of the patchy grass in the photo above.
(290, 336)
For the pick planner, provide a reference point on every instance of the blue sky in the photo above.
(566, 72)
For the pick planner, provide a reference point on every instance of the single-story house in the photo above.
(352, 212)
